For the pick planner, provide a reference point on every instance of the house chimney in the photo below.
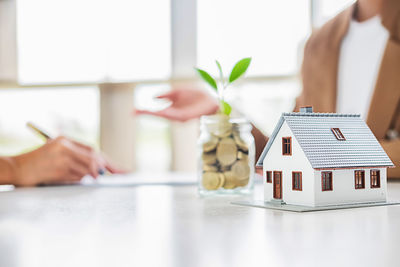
(307, 109)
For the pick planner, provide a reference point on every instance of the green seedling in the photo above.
(238, 70)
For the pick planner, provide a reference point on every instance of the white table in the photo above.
(172, 226)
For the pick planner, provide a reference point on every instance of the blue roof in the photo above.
(313, 132)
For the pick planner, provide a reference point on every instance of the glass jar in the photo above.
(226, 154)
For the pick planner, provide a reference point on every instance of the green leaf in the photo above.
(239, 69)
(221, 75)
(207, 78)
(225, 108)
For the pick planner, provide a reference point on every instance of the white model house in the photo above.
(321, 159)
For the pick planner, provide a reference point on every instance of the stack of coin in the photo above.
(225, 160)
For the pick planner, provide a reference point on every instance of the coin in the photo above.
(209, 158)
(225, 168)
(240, 143)
(226, 151)
(223, 134)
(211, 144)
(222, 179)
(210, 168)
(219, 117)
(242, 182)
(241, 169)
(243, 156)
(230, 180)
(211, 180)
(222, 127)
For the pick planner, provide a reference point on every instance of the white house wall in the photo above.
(344, 188)
(275, 161)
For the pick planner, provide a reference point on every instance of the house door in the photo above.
(278, 185)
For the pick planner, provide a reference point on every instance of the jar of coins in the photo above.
(226, 155)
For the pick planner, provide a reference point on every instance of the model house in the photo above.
(319, 159)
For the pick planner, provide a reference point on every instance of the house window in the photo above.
(375, 179)
(287, 146)
(296, 181)
(359, 179)
(326, 181)
(269, 177)
(338, 134)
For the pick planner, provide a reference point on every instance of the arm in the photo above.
(58, 161)
(186, 104)
(390, 14)
(7, 170)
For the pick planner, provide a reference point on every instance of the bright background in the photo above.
(64, 49)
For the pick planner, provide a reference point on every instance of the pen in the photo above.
(38, 131)
(47, 136)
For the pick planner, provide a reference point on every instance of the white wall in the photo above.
(275, 161)
(344, 188)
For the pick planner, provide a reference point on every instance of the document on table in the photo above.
(136, 179)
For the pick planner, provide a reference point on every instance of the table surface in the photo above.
(169, 225)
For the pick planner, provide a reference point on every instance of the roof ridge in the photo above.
(318, 114)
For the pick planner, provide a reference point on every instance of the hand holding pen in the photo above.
(84, 148)
(60, 160)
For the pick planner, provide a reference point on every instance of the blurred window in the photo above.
(271, 32)
(91, 41)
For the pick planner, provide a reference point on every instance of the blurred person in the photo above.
(60, 160)
(351, 65)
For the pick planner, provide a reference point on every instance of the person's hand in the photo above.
(186, 104)
(58, 161)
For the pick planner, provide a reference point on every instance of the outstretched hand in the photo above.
(186, 104)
